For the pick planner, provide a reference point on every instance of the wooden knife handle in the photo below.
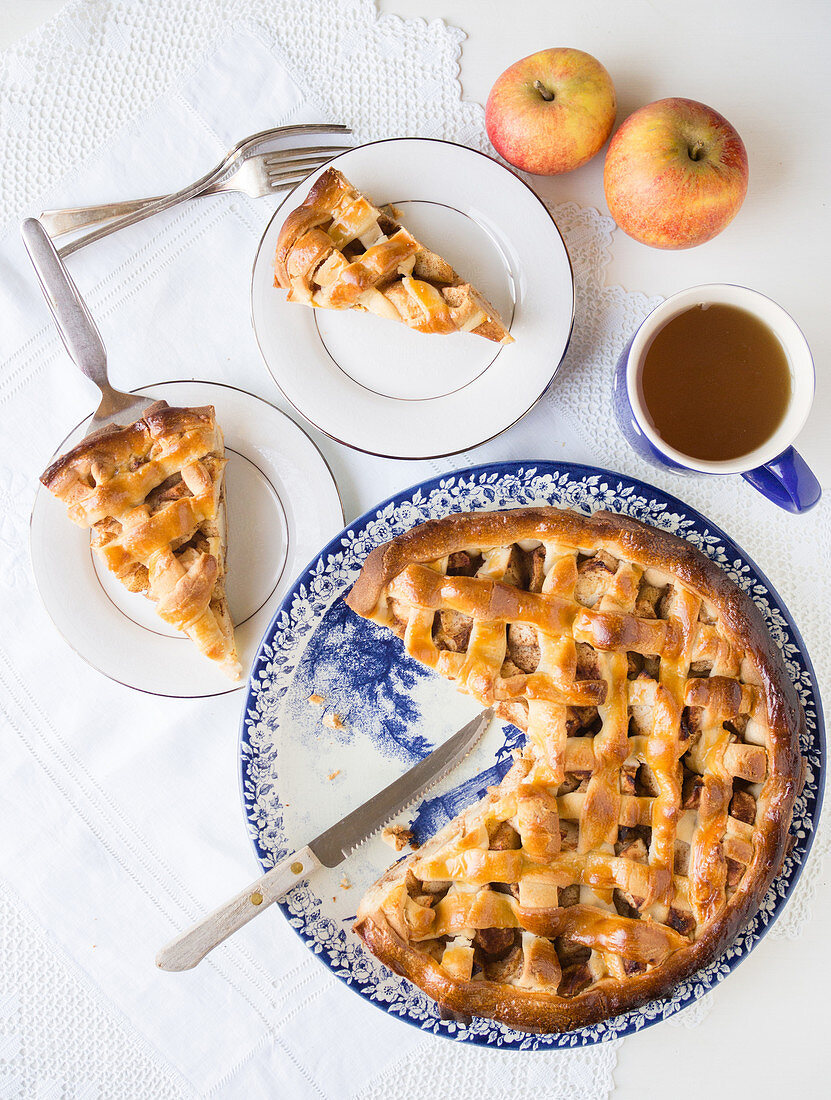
(191, 946)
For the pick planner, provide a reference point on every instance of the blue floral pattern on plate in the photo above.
(389, 705)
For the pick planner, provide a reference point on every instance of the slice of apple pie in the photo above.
(339, 251)
(152, 494)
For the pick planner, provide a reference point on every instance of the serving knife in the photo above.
(327, 850)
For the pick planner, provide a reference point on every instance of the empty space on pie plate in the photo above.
(402, 365)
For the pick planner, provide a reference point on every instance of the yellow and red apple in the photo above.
(675, 174)
(551, 112)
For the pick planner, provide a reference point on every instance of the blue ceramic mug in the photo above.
(774, 468)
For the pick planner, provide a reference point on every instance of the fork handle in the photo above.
(143, 210)
(211, 180)
(56, 222)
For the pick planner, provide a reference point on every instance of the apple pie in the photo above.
(153, 496)
(642, 823)
(339, 251)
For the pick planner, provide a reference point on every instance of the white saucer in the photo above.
(282, 503)
(377, 385)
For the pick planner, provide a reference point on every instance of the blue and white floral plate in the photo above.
(300, 774)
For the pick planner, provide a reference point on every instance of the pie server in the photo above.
(327, 850)
(78, 331)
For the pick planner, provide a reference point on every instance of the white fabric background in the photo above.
(126, 814)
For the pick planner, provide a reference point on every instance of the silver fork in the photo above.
(256, 176)
(253, 175)
(78, 331)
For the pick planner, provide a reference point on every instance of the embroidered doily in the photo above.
(55, 1030)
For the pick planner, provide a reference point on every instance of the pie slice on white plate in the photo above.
(339, 251)
(152, 494)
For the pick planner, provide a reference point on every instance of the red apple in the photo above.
(675, 174)
(551, 112)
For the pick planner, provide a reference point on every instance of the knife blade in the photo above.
(328, 849)
(336, 843)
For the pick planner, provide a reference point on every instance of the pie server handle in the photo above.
(191, 946)
(78, 331)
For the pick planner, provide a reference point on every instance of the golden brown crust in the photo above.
(542, 1012)
(152, 494)
(651, 549)
(314, 211)
(118, 442)
(528, 1010)
(647, 546)
(393, 275)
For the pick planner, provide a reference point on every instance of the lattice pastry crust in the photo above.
(339, 251)
(153, 495)
(640, 827)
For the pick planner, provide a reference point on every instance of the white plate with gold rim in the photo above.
(281, 503)
(377, 385)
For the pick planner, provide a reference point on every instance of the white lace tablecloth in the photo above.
(126, 823)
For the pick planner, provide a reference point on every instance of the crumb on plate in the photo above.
(334, 775)
(333, 721)
(315, 700)
(398, 837)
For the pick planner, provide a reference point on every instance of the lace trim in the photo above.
(464, 1076)
(56, 1027)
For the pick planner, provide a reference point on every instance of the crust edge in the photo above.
(157, 420)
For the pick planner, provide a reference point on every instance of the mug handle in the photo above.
(787, 480)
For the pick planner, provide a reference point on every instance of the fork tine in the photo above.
(280, 171)
(314, 128)
(289, 156)
(298, 171)
(298, 130)
(280, 183)
(303, 166)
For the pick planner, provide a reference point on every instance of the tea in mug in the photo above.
(715, 383)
